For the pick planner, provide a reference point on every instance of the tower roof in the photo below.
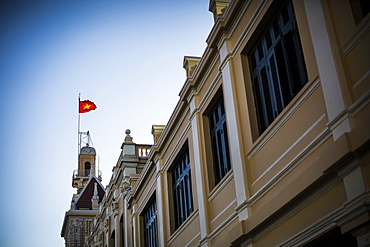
(84, 200)
(87, 150)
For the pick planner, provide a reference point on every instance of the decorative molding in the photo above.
(284, 117)
(191, 241)
(183, 227)
(176, 149)
(221, 185)
(207, 73)
(311, 147)
(224, 62)
(333, 219)
(223, 225)
(214, 87)
(173, 132)
(146, 198)
(361, 79)
(223, 211)
(291, 147)
(361, 103)
(247, 29)
(356, 38)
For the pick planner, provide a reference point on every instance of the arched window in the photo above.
(87, 169)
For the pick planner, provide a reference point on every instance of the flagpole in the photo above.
(79, 123)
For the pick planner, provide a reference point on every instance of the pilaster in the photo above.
(339, 122)
(117, 228)
(106, 231)
(199, 174)
(160, 207)
(233, 128)
(127, 225)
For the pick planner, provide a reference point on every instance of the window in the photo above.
(219, 140)
(181, 188)
(277, 66)
(87, 169)
(335, 238)
(150, 225)
(360, 9)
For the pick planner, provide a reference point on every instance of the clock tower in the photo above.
(79, 219)
(86, 167)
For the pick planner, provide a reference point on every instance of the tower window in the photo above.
(87, 169)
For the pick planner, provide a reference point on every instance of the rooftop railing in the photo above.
(85, 173)
(143, 150)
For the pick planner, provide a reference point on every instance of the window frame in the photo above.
(181, 188)
(274, 84)
(219, 139)
(150, 224)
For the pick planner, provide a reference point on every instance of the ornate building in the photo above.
(269, 144)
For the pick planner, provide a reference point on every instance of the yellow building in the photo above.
(269, 144)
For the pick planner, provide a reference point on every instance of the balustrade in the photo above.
(143, 150)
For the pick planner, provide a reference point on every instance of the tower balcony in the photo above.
(85, 173)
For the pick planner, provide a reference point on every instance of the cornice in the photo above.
(224, 23)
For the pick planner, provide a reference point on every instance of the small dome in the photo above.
(88, 150)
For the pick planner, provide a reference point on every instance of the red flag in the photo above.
(86, 106)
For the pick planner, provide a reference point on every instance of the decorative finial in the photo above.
(95, 198)
(128, 138)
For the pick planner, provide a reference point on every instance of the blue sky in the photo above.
(126, 56)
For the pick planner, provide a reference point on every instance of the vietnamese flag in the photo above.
(86, 106)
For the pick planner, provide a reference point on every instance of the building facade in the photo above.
(269, 144)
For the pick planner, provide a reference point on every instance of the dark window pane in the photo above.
(260, 51)
(150, 225)
(220, 146)
(280, 71)
(276, 84)
(259, 106)
(285, 14)
(183, 201)
(253, 61)
(268, 40)
(276, 28)
(266, 96)
(292, 62)
(365, 7)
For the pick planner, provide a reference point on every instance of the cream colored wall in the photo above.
(352, 42)
(286, 144)
(188, 235)
(309, 214)
(222, 203)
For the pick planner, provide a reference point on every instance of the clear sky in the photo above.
(126, 56)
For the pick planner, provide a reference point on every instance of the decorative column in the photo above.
(233, 128)
(160, 207)
(199, 175)
(339, 121)
(135, 226)
(117, 229)
(127, 226)
(106, 230)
